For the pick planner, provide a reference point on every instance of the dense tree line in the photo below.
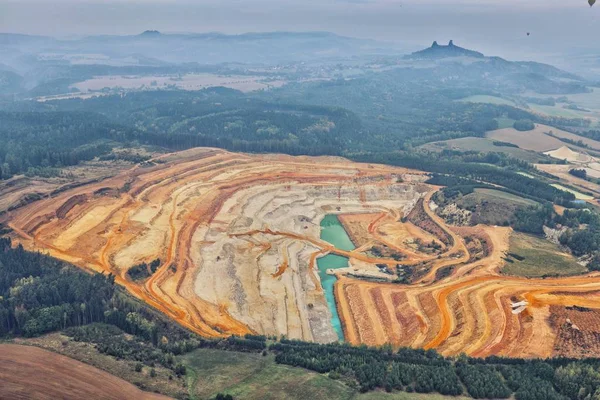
(591, 134)
(482, 381)
(580, 173)
(41, 142)
(482, 173)
(32, 140)
(578, 143)
(500, 143)
(417, 370)
(39, 294)
(582, 228)
(524, 125)
(580, 241)
(142, 271)
(532, 219)
(495, 158)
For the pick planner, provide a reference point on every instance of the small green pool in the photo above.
(333, 232)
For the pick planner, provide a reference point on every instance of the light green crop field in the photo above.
(540, 257)
(484, 145)
(505, 196)
(578, 195)
(558, 111)
(487, 99)
(526, 174)
(504, 122)
(587, 100)
(252, 376)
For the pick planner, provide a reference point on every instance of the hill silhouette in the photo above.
(437, 51)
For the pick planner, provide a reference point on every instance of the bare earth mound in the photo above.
(565, 153)
(32, 373)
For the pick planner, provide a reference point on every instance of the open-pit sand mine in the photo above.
(238, 237)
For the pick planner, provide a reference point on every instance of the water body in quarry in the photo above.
(333, 232)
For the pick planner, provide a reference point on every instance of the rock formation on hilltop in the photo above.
(437, 51)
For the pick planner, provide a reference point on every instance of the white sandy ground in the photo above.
(186, 82)
(237, 235)
(239, 274)
(565, 153)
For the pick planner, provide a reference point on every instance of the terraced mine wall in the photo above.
(237, 235)
(241, 250)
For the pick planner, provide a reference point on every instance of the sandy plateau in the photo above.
(238, 236)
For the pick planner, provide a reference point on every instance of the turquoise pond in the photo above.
(333, 232)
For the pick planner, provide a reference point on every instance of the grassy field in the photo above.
(587, 100)
(584, 100)
(558, 111)
(492, 207)
(252, 376)
(504, 122)
(505, 196)
(487, 99)
(540, 257)
(538, 140)
(485, 146)
(58, 377)
(526, 174)
(578, 195)
(164, 381)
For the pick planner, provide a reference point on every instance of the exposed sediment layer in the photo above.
(238, 237)
(473, 310)
(237, 234)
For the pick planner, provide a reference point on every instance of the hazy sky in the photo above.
(496, 27)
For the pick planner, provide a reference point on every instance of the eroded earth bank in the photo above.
(228, 243)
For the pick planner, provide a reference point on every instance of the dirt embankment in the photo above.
(237, 237)
(234, 234)
(464, 305)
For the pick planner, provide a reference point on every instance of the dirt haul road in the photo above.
(470, 311)
(236, 234)
(238, 237)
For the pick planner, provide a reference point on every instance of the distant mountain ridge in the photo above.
(40, 65)
(437, 51)
(202, 48)
(478, 64)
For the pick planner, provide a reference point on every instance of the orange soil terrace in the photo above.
(238, 237)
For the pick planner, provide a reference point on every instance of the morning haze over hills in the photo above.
(295, 215)
(44, 65)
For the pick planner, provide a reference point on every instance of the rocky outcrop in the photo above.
(437, 51)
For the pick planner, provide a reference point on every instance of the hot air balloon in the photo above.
(591, 2)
